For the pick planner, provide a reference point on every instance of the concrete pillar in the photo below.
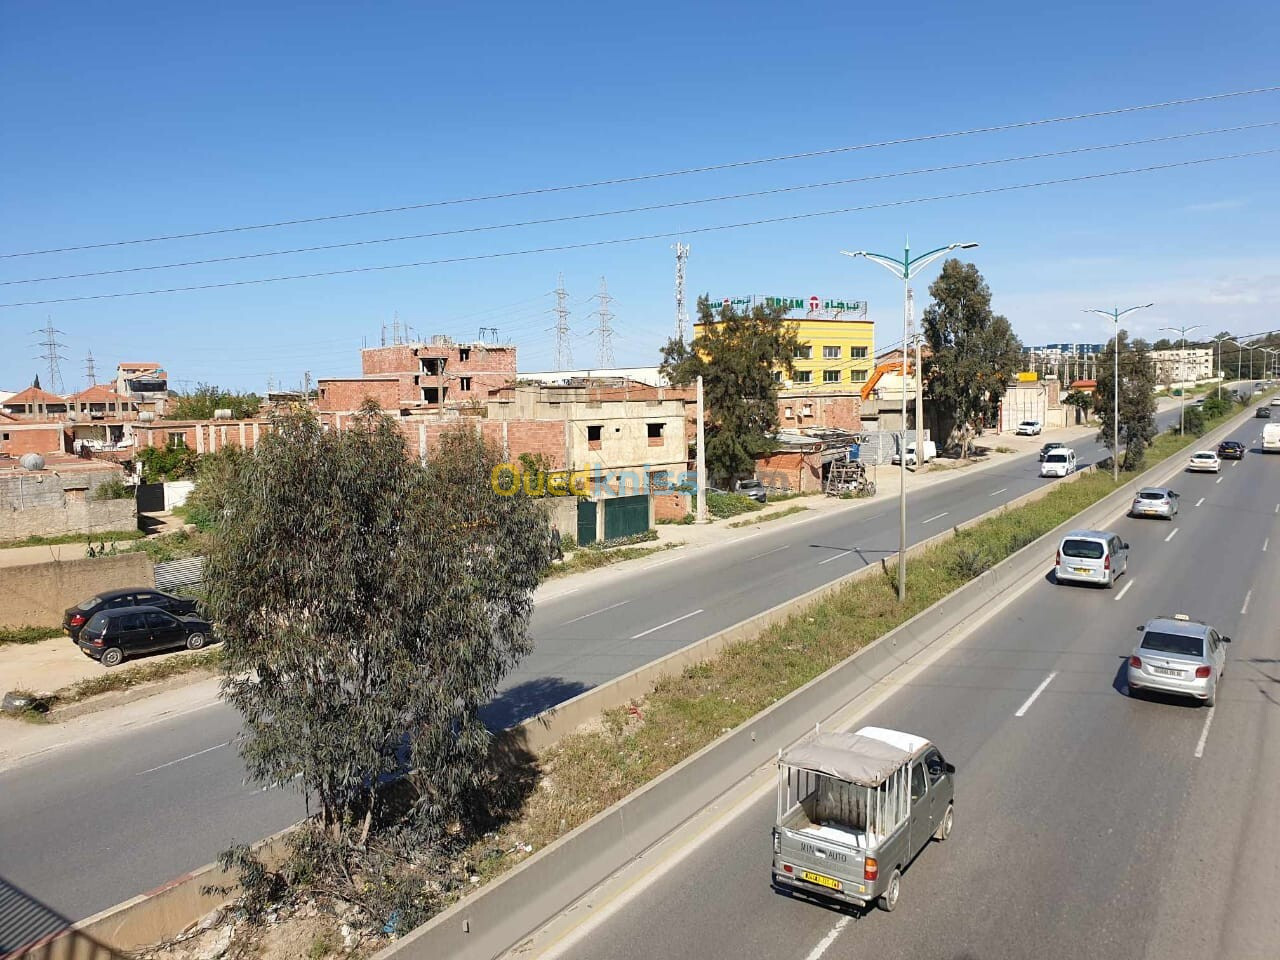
(241, 434)
(422, 442)
(199, 439)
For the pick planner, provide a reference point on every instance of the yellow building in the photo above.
(837, 341)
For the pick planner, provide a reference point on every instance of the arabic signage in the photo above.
(810, 306)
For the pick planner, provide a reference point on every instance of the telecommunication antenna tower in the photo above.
(682, 315)
(604, 330)
(564, 351)
(51, 356)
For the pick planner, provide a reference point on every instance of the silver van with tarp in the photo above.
(854, 809)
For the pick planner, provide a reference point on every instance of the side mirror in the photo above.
(1226, 639)
(1141, 628)
(1124, 546)
(951, 767)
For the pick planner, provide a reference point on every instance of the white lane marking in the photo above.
(938, 517)
(1219, 480)
(612, 606)
(1278, 508)
(1038, 690)
(998, 492)
(842, 553)
(1265, 543)
(1124, 590)
(825, 943)
(189, 756)
(660, 626)
(1204, 734)
(767, 552)
(1247, 597)
(1172, 533)
(1200, 501)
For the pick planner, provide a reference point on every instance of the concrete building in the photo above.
(144, 385)
(60, 498)
(837, 341)
(647, 375)
(34, 403)
(1183, 364)
(420, 377)
(22, 436)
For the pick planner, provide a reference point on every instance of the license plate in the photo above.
(1081, 570)
(1165, 672)
(820, 880)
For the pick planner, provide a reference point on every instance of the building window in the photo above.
(789, 414)
(806, 410)
(830, 353)
(803, 352)
(593, 436)
(858, 376)
(4, 436)
(464, 354)
(659, 480)
(858, 353)
(655, 433)
(777, 376)
(830, 376)
(464, 383)
(804, 376)
(177, 441)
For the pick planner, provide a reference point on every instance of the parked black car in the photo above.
(112, 635)
(1231, 450)
(74, 619)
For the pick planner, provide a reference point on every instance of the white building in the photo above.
(1183, 364)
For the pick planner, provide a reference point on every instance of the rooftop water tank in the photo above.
(31, 461)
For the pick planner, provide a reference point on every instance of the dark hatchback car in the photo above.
(1263, 413)
(1050, 447)
(1231, 450)
(113, 635)
(74, 619)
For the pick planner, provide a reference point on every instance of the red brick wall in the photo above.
(545, 437)
(486, 368)
(351, 394)
(398, 358)
(802, 475)
(670, 506)
(34, 438)
(839, 412)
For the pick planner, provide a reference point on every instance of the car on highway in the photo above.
(1154, 502)
(1050, 446)
(1275, 401)
(1028, 428)
(74, 618)
(1231, 450)
(1178, 655)
(1091, 556)
(113, 635)
(1204, 461)
(1058, 463)
(854, 810)
(1263, 413)
(751, 488)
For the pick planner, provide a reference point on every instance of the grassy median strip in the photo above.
(793, 509)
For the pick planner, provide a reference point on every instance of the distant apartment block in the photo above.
(1183, 364)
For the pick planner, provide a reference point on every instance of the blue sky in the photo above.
(135, 120)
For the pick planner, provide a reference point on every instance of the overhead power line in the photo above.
(649, 208)
(665, 235)
(640, 178)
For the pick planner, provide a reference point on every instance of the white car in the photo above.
(1204, 461)
(930, 453)
(1058, 463)
(1028, 428)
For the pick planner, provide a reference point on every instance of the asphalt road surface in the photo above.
(1091, 825)
(91, 825)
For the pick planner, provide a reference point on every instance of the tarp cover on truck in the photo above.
(858, 759)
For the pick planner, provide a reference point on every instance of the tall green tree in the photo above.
(974, 352)
(1137, 399)
(739, 355)
(201, 403)
(370, 605)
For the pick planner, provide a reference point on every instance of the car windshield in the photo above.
(1150, 495)
(748, 484)
(1173, 643)
(1056, 458)
(1082, 549)
(1028, 423)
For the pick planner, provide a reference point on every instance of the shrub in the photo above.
(114, 489)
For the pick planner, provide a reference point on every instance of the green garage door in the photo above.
(586, 522)
(625, 516)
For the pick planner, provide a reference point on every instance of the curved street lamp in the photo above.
(1182, 392)
(1114, 316)
(905, 269)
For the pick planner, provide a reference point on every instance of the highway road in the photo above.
(89, 825)
(1088, 823)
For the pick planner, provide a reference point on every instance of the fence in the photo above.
(180, 573)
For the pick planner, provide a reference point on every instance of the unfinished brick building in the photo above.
(409, 377)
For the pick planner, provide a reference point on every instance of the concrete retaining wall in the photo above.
(38, 593)
(72, 516)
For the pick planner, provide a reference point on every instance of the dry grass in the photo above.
(793, 509)
(587, 559)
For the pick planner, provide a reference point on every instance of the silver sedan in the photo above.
(1155, 502)
(1180, 656)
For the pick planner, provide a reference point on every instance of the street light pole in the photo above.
(1182, 391)
(1217, 366)
(1244, 346)
(1114, 316)
(905, 269)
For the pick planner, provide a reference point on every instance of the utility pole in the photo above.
(1114, 316)
(604, 331)
(702, 459)
(1182, 359)
(51, 356)
(919, 396)
(89, 372)
(564, 350)
(682, 315)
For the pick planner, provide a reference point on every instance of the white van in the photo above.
(1091, 556)
(930, 453)
(1271, 438)
(1059, 463)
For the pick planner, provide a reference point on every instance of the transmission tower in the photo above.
(89, 372)
(51, 356)
(604, 331)
(682, 315)
(564, 352)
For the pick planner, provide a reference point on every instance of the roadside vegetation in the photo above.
(789, 511)
(100, 536)
(589, 558)
(27, 634)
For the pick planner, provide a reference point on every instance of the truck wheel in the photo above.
(889, 899)
(112, 657)
(944, 828)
